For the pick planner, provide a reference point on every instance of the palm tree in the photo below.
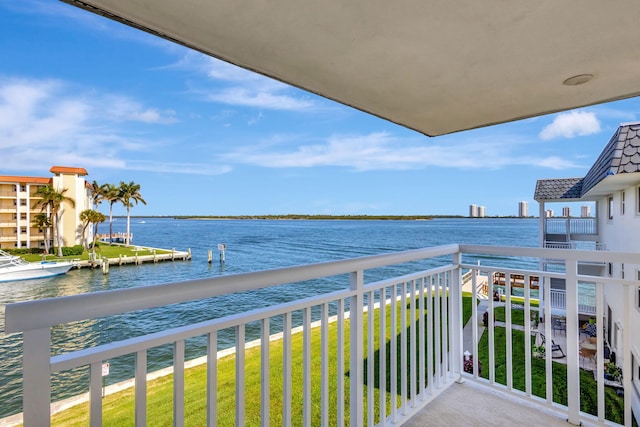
(130, 193)
(51, 202)
(97, 195)
(111, 193)
(88, 217)
(42, 220)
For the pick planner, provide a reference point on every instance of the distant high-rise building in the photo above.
(523, 209)
(585, 211)
(481, 211)
(473, 211)
(566, 211)
(548, 213)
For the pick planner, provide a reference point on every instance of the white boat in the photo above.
(13, 267)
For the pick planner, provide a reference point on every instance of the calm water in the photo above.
(251, 245)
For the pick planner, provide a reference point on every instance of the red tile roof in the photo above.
(24, 179)
(67, 169)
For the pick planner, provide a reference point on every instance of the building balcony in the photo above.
(571, 226)
(410, 349)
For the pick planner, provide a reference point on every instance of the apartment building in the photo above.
(613, 183)
(19, 205)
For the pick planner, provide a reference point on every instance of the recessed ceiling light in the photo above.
(577, 80)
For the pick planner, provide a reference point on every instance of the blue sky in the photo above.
(203, 137)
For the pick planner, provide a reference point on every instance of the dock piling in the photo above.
(210, 256)
(222, 248)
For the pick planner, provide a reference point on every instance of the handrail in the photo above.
(37, 314)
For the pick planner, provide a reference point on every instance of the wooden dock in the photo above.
(104, 262)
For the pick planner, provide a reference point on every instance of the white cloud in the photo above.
(382, 151)
(121, 108)
(570, 125)
(236, 86)
(46, 122)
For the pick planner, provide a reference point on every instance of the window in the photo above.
(23, 202)
(23, 188)
(610, 207)
(23, 215)
(622, 203)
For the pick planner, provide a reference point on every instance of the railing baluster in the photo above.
(36, 377)
(286, 370)
(393, 349)
(430, 336)
(212, 379)
(306, 366)
(437, 331)
(95, 394)
(455, 305)
(527, 334)
(422, 339)
(573, 365)
(324, 386)
(445, 323)
(413, 378)
(178, 383)
(600, 349)
(370, 358)
(356, 350)
(382, 375)
(627, 374)
(474, 322)
(548, 367)
(508, 330)
(340, 364)
(265, 373)
(141, 388)
(403, 347)
(492, 331)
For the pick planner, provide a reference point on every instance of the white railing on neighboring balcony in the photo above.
(575, 245)
(558, 301)
(571, 225)
(417, 325)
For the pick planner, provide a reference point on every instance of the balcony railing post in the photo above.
(356, 351)
(627, 369)
(36, 377)
(455, 295)
(573, 368)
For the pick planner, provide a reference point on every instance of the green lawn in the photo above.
(118, 408)
(102, 250)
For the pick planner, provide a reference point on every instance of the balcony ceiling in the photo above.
(432, 66)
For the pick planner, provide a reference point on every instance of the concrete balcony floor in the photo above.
(474, 404)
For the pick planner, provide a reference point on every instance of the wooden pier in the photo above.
(104, 262)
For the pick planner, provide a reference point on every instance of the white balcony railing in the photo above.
(558, 301)
(571, 225)
(396, 364)
(580, 246)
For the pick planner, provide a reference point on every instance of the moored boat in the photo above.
(13, 267)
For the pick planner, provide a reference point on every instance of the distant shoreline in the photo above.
(324, 217)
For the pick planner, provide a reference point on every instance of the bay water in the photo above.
(252, 245)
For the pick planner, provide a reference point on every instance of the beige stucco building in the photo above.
(18, 207)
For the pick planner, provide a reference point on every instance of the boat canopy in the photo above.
(435, 66)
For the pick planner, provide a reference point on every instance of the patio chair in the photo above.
(554, 348)
(559, 325)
